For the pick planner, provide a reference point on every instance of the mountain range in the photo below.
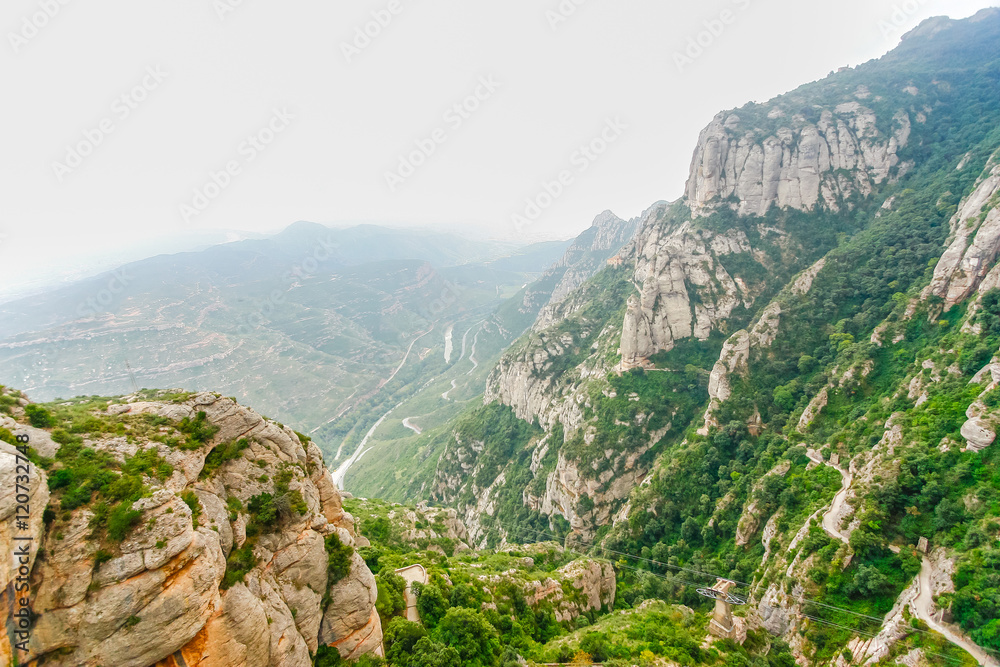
(754, 426)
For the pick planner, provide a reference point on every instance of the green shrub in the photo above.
(240, 562)
(122, 520)
(390, 601)
(39, 417)
(222, 453)
(198, 431)
(401, 636)
(338, 559)
(327, 656)
(190, 499)
(471, 635)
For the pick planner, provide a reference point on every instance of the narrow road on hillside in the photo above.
(472, 353)
(923, 606)
(464, 337)
(349, 406)
(405, 357)
(408, 423)
(454, 383)
(341, 472)
(830, 520)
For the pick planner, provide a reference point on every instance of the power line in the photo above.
(674, 579)
(645, 560)
(869, 634)
(802, 599)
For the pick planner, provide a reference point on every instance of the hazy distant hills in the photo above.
(299, 321)
(303, 249)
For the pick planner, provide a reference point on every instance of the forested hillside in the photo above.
(789, 379)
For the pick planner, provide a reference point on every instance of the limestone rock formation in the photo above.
(736, 350)
(684, 289)
(581, 586)
(428, 525)
(11, 531)
(799, 165)
(157, 597)
(590, 252)
(981, 429)
(969, 263)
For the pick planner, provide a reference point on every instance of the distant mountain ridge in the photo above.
(299, 320)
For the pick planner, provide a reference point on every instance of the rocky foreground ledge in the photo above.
(186, 585)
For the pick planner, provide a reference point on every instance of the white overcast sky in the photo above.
(225, 76)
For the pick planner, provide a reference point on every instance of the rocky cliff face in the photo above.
(590, 251)
(158, 597)
(580, 586)
(801, 164)
(969, 262)
(684, 289)
(801, 249)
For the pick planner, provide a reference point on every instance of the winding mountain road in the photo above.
(341, 472)
(830, 521)
(454, 383)
(923, 605)
(472, 353)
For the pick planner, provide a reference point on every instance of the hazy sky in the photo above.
(119, 112)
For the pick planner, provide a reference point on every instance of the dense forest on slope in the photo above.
(856, 379)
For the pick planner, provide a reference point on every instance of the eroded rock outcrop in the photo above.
(578, 587)
(799, 165)
(684, 289)
(157, 597)
(968, 264)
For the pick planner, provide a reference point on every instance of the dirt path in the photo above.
(923, 606)
(830, 520)
(472, 353)
(454, 383)
(408, 423)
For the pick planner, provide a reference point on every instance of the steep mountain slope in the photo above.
(781, 313)
(413, 431)
(182, 530)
